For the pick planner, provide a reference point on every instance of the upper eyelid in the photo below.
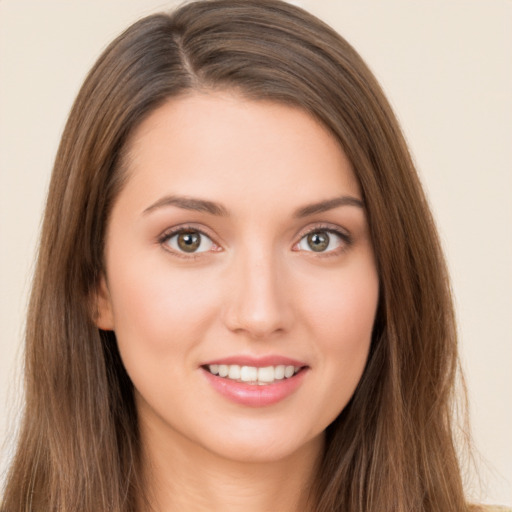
(331, 228)
(321, 226)
(169, 232)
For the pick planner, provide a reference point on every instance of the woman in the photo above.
(240, 301)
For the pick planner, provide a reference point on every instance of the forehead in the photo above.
(227, 147)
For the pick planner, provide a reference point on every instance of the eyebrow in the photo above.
(328, 204)
(203, 205)
(188, 203)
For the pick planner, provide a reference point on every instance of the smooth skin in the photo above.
(240, 231)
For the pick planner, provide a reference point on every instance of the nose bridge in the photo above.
(259, 304)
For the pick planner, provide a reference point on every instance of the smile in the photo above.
(255, 382)
(252, 374)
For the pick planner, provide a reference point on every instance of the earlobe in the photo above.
(103, 314)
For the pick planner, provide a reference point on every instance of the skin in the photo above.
(254, 288)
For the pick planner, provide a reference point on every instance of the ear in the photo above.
(103, 315)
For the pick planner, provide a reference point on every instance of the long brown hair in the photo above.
(391, 448)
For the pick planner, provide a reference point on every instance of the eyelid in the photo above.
(325, 226)
(183, 228)
(329, 228)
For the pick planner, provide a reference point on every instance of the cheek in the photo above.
(340, 316)
(343, 304)
(159, 308)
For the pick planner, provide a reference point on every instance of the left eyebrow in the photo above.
(328, 204)
(188, 203)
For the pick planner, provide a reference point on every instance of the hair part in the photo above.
(392, 446)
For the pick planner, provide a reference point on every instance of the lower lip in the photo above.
(255, 395)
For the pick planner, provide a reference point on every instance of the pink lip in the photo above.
(252, 395)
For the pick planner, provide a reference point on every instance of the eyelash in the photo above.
(164, 238)
(345, 237)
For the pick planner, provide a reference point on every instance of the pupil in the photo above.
(189, 242)
(318, 241)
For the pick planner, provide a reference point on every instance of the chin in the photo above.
(261, 448)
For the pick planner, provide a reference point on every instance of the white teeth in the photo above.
(252, 374)
(266, 374)
(248, 374)
(279, 372)
(289, 371)
(234, 372)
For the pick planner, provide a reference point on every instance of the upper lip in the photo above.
(258, 362)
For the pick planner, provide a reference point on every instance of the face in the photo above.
(240, 277)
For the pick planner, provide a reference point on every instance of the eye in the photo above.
(189, 241)
(321, 240)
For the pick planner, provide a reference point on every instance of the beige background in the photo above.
(447, 68)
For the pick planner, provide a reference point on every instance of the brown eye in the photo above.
(318, 241)
(322, 240)
(190, 241)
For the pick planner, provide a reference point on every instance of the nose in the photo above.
(259, 303)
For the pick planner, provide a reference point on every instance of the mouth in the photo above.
(254, 375)
(255, 381)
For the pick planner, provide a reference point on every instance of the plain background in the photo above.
(446, 66)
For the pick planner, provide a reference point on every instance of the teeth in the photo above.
(266, 374)
(234, 372)
(279, 372)
(248, 374)
(252, 374)
(288, 371)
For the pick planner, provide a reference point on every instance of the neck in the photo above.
(180, 475)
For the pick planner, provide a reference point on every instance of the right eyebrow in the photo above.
(188, 203)
(328, 204)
